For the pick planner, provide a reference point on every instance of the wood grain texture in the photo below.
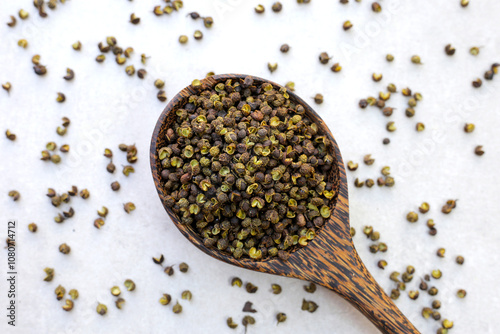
(330, 259)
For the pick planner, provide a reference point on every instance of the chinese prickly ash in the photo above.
(244, 165)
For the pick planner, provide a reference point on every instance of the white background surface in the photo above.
(433, 166)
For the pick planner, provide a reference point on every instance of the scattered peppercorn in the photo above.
(134, 19)
(251, 288)
(101, 309)
(183, 267)
(162, 96)
(236, 281)
(177, 308)
(15, 195)
(129, 207)
(377, 77)
(277, 7)
(376, 7)
(129, 284)
(450, 51)
(10, 136)
(347, 25)
(165, 299)
(368, 160)
(64, 248)
(461, 293)
(284, 48)
(324, 58)
(382, 264)
(309, 306)
(336, 68)
(479, 150)
(416, 60)
(187, 295)
(230, 323)
(12, 22)
(318, 98)
(259, 9)
(272, 67)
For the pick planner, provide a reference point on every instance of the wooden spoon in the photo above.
(330, 259)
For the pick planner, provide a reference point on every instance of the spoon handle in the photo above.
(349, 278)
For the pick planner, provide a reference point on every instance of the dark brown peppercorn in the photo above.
(277, 6)
(323, 58)
(450, 51)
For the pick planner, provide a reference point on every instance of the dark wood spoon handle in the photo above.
(355, 284)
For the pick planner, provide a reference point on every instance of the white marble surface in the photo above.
(106, 108)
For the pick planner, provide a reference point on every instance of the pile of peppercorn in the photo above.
(246, 168)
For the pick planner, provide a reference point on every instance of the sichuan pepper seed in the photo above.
(246, 168)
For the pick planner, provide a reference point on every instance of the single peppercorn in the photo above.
(236, 281)
(449, 50)
(183, 267)
(347, 25)
(101, 309)
(376, 7)
(64, 248)
(259, 9)
(479, 150)
(382, 264)
(284, 48)
(377, 77)
(32, 227)
(324, 58)
(416, 60)
(318, 99)
(277, 7)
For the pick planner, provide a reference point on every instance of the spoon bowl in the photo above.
(329, 260)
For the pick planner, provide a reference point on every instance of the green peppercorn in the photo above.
(251, 288)
(177, 308)
(416, 60)
(230, 323)
(281, 317)
(309, 306)
(412, 217)
(461, 293)
(311, 287)
(101, 309)
(433, 291)
(347, 25)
